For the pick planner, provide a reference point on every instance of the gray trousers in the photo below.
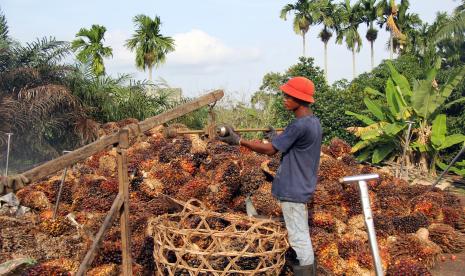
(296, 219)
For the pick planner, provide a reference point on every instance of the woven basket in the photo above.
(200, 242)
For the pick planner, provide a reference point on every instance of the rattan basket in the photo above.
(201, 242)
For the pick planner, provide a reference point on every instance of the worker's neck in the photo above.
(302, 111)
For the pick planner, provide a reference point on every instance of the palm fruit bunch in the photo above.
(221, 177)
(407, 266)
(414, 247)
(339, 148)
(450, 240)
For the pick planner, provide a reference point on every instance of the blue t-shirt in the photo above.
(300, 145)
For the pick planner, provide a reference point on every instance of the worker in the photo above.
(296, 178)
(12, 183)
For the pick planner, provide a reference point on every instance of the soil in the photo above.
(451, 264)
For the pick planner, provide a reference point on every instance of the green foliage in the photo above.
(385, 134)
(109, 99)
(89, 48)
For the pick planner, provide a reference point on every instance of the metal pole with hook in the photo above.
(362, 184)
(60, 190)
(407, 142)
(450, 165)
(8, 152)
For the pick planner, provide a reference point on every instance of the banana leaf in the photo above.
(400, 80)
(374, 108)
(452, 140)
(381, 152)
(439, 130)
(367, 120)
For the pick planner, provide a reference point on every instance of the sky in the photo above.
(220, 44)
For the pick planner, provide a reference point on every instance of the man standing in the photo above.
(296, 178)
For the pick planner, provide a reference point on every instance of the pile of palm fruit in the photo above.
(414, 224)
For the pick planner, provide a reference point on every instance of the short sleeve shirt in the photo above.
(300, 145)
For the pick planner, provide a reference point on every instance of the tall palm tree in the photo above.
(327, 13)
(351, 19)
(304, 17)
(410, 25)
(393, 16)
(150, 45)
(89, 46)
(370, 15)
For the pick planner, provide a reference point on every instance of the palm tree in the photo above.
(35, 102)
(370, 15)
(150, 45)
(351, 18)
(398, 22)
(456, 26)
(304, 17)
(410, 25)
(329, 17)
(89, 46)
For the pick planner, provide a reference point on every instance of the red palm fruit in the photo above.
(446, 237)
(407, 266)
(339, 147)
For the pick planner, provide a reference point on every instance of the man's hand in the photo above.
(231, 138)
(270, 133)
(13, 183)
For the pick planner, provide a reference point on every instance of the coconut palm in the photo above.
(304, 17)
(150, 45)
(327, 13)
(351, 17)
(370, 15)
(89, 45)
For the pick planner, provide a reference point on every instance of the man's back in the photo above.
(300, 145)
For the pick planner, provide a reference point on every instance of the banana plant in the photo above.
(384, 135)
(438, 141)
(458, 168)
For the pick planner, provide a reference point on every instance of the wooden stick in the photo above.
(115, 207)
(82, 153)
(124, 211)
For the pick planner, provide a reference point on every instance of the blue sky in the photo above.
(227, 44)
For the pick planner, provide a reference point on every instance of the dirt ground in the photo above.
(452, 264)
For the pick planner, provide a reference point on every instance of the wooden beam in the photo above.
(124, 211)
(89, 258)
(82, 153)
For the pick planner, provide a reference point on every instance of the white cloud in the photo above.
(196, 47)
(122, 57)
(196, 52)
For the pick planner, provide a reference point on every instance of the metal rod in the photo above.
(370, 226)
(364, 196)
(407, 142)
(8, 153)
(236, 130)
(450, 165)
(60, 190)
(59, 193)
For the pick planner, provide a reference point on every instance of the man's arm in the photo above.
(267, 149)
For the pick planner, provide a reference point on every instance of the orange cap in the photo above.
(300, 88)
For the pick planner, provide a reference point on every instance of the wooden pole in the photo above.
(124, 211)
(89, 258)
(82, 153)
